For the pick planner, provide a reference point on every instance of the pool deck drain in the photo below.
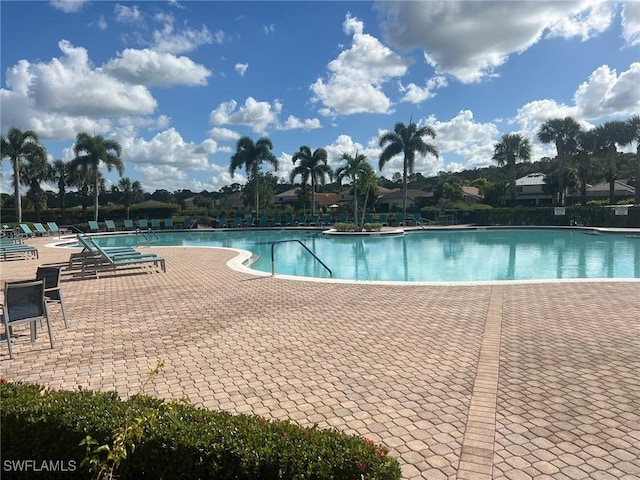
(502, 381)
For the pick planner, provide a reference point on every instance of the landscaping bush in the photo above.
(372, 227)
(345, 227)
(176, 440)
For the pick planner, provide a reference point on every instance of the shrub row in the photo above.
(181, 442)
(351, 227)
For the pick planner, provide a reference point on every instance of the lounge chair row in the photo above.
(24, 230)
(110, 226)
(315, 220)
(94, 257)
(15, 248)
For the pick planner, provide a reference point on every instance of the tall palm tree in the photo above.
(407, 140)
(16, 146)
(128, 193)
(563, 132)
(93, 151)
(60, 173)
(80, 177)
(35, 171)
(586, 148)
(610, 135)
(634, 125)
(312, 165)
(511, 148)
(355, 168)
(368, 186)
(251, 155)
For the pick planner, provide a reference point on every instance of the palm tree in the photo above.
(129, 193)
(511, 148)
(312, 166)
(586, 148)
(92, 151)
(35, 171)
(563, 132)
(406, 140)
(634, 125)
(60, 173)
(368, 185)
(251, 155)
(610, 134)
(80, 177)
(15, 146)
(355, 168)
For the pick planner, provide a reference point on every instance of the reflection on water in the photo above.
(441, 256)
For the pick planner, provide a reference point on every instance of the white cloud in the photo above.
(607, 93)
(128, 15)
(167, 148)
(68, 6)
(415, 94)
(257, 115)
(223, 134)
(595, 17)
(293, 123)
(67, 95)
(241, 68)
(463, 137)
(358, 74)
(148, 67)
(631, 22)
(267, 29)
(102, 23)
(469, 39)
(169, 41)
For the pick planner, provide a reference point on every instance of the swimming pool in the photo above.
(425, 256)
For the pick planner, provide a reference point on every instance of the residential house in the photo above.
(393, 200)
(529, 190)
(601, 191)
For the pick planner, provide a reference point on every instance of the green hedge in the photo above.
(182, 441)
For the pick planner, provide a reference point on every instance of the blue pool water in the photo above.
(426, 256)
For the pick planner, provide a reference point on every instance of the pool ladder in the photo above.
(273, 261)
(147, 237)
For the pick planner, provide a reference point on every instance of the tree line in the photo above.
(580, 153)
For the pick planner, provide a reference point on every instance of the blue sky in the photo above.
(177, 83)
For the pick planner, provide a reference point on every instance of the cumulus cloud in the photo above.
(67, 6)
(463, 137)
(223, 134)
(167, 148)
(241, 68)
(67, 95)
(631, 22)
(607, 93)
(152, 68)
(415, 94)
(293, 123)
(470, 40)
(257, 115)
(356, 76)
(604, 94)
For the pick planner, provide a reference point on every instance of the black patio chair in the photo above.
(24, 302)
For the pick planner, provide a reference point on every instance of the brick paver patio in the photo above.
(505, 381)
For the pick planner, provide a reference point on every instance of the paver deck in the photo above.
(502, 381)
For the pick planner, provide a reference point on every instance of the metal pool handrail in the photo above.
(273, 262)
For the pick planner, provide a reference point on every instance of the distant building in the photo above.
(416, 199)
(601, 191)
(471, 194)
(529, 190)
